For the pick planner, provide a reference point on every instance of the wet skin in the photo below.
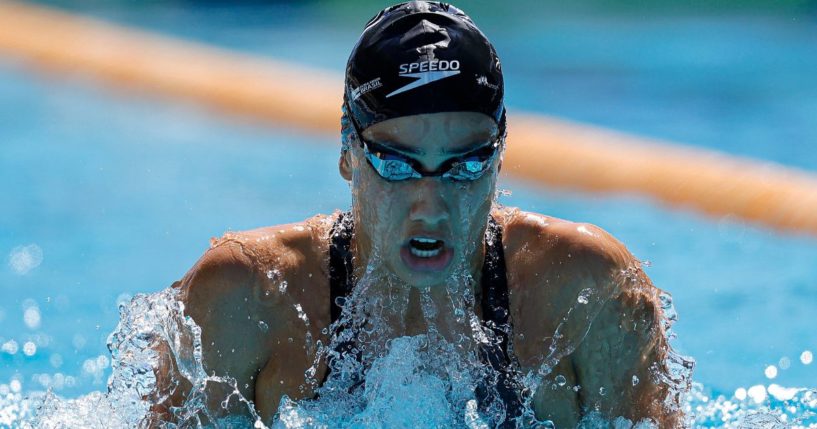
(557, 271)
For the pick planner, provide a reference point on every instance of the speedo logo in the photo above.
(426, 72)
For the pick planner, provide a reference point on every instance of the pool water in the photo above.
(112, 192)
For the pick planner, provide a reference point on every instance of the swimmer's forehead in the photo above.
(449, 133)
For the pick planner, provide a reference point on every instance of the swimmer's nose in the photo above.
(428, 202)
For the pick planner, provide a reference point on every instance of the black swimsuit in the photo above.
(495, 310)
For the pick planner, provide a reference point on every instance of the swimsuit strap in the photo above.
(496, 317)
(495, 303)
(341, 281)
(340, 263)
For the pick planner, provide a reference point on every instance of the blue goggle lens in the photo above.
(393, 167)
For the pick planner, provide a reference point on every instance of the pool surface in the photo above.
(112, 192)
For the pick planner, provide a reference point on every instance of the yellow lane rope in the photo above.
(540, 149)
(564, 154)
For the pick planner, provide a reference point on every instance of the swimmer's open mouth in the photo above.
(424, 247)
(428, 254)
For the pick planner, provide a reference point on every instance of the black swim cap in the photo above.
(422, 57)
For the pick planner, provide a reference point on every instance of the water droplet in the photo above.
(290, 339)
(635, 380)
(561, 380)
(602, 391)
(31, 317)
(10, 347)
(282, 287)
(459, 313)
(584, 296)
(770, 372)
(302, 314)
(784, 363)
(23, 259)
(55, 360)
(263, 325)
(806, 357)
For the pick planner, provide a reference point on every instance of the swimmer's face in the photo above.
(423, 229)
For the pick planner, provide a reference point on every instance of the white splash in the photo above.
(147, 322)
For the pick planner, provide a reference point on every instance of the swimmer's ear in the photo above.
(345, 165)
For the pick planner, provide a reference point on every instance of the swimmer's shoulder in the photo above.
(258, 266)
(551, 262)
(538, 242)
(250, 293)
(616, 327)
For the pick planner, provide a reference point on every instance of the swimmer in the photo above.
(423, 135)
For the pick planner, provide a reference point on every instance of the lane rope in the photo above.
(541, 149)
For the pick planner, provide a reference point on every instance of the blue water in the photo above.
(120, 191)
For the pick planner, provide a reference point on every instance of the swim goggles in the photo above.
(394, 167)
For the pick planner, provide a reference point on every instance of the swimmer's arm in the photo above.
(621, 360)
(218, 293)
